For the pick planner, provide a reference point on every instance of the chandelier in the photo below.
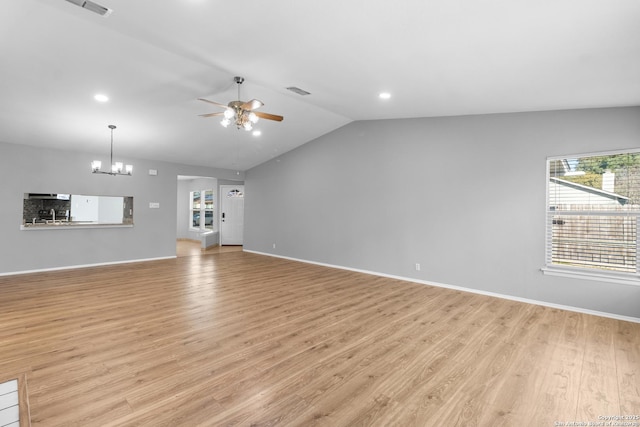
(117, 168)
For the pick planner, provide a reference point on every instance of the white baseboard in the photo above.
(460, 288)
(70, 267)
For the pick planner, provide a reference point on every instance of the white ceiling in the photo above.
(436, 57)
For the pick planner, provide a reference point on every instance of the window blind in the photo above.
(593, 206)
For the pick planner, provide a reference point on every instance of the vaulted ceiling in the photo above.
(153, 59)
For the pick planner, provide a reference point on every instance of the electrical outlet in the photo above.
(274, 246)
(417, 267)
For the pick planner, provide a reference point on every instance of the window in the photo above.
(202, 208)
(235, 193)
(593, 206)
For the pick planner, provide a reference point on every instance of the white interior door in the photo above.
(231, 214)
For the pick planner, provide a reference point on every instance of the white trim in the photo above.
(593, 154)
(622, 279)
(547, 217)
(463, 289)
(71, 267)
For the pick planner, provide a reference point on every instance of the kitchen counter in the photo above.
(66, 225)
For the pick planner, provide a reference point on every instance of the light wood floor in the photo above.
(193, 248)
(236, 338)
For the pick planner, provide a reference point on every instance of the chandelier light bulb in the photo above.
(229, 113)
(253, 117)
(247, 126)
(225, 122)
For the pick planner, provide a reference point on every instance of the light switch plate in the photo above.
(154, 205)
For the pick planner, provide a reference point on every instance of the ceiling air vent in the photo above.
(298, 91)
(93, 7)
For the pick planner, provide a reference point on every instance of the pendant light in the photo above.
(116, 168)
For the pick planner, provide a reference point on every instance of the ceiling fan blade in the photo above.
(268, 116)
(254, 104)
(212, 102)
(211, 115)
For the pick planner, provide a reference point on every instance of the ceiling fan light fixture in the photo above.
(240, 112)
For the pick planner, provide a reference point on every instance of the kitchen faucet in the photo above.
(53, 215)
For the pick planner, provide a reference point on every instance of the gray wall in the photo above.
(462, 196)
(25, 169)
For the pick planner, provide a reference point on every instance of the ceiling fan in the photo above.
(239, 112)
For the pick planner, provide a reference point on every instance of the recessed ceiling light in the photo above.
(385, 95)
(257, 133)
(101, 97)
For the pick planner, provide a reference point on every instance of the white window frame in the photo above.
(578, 272)
(202, 210)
